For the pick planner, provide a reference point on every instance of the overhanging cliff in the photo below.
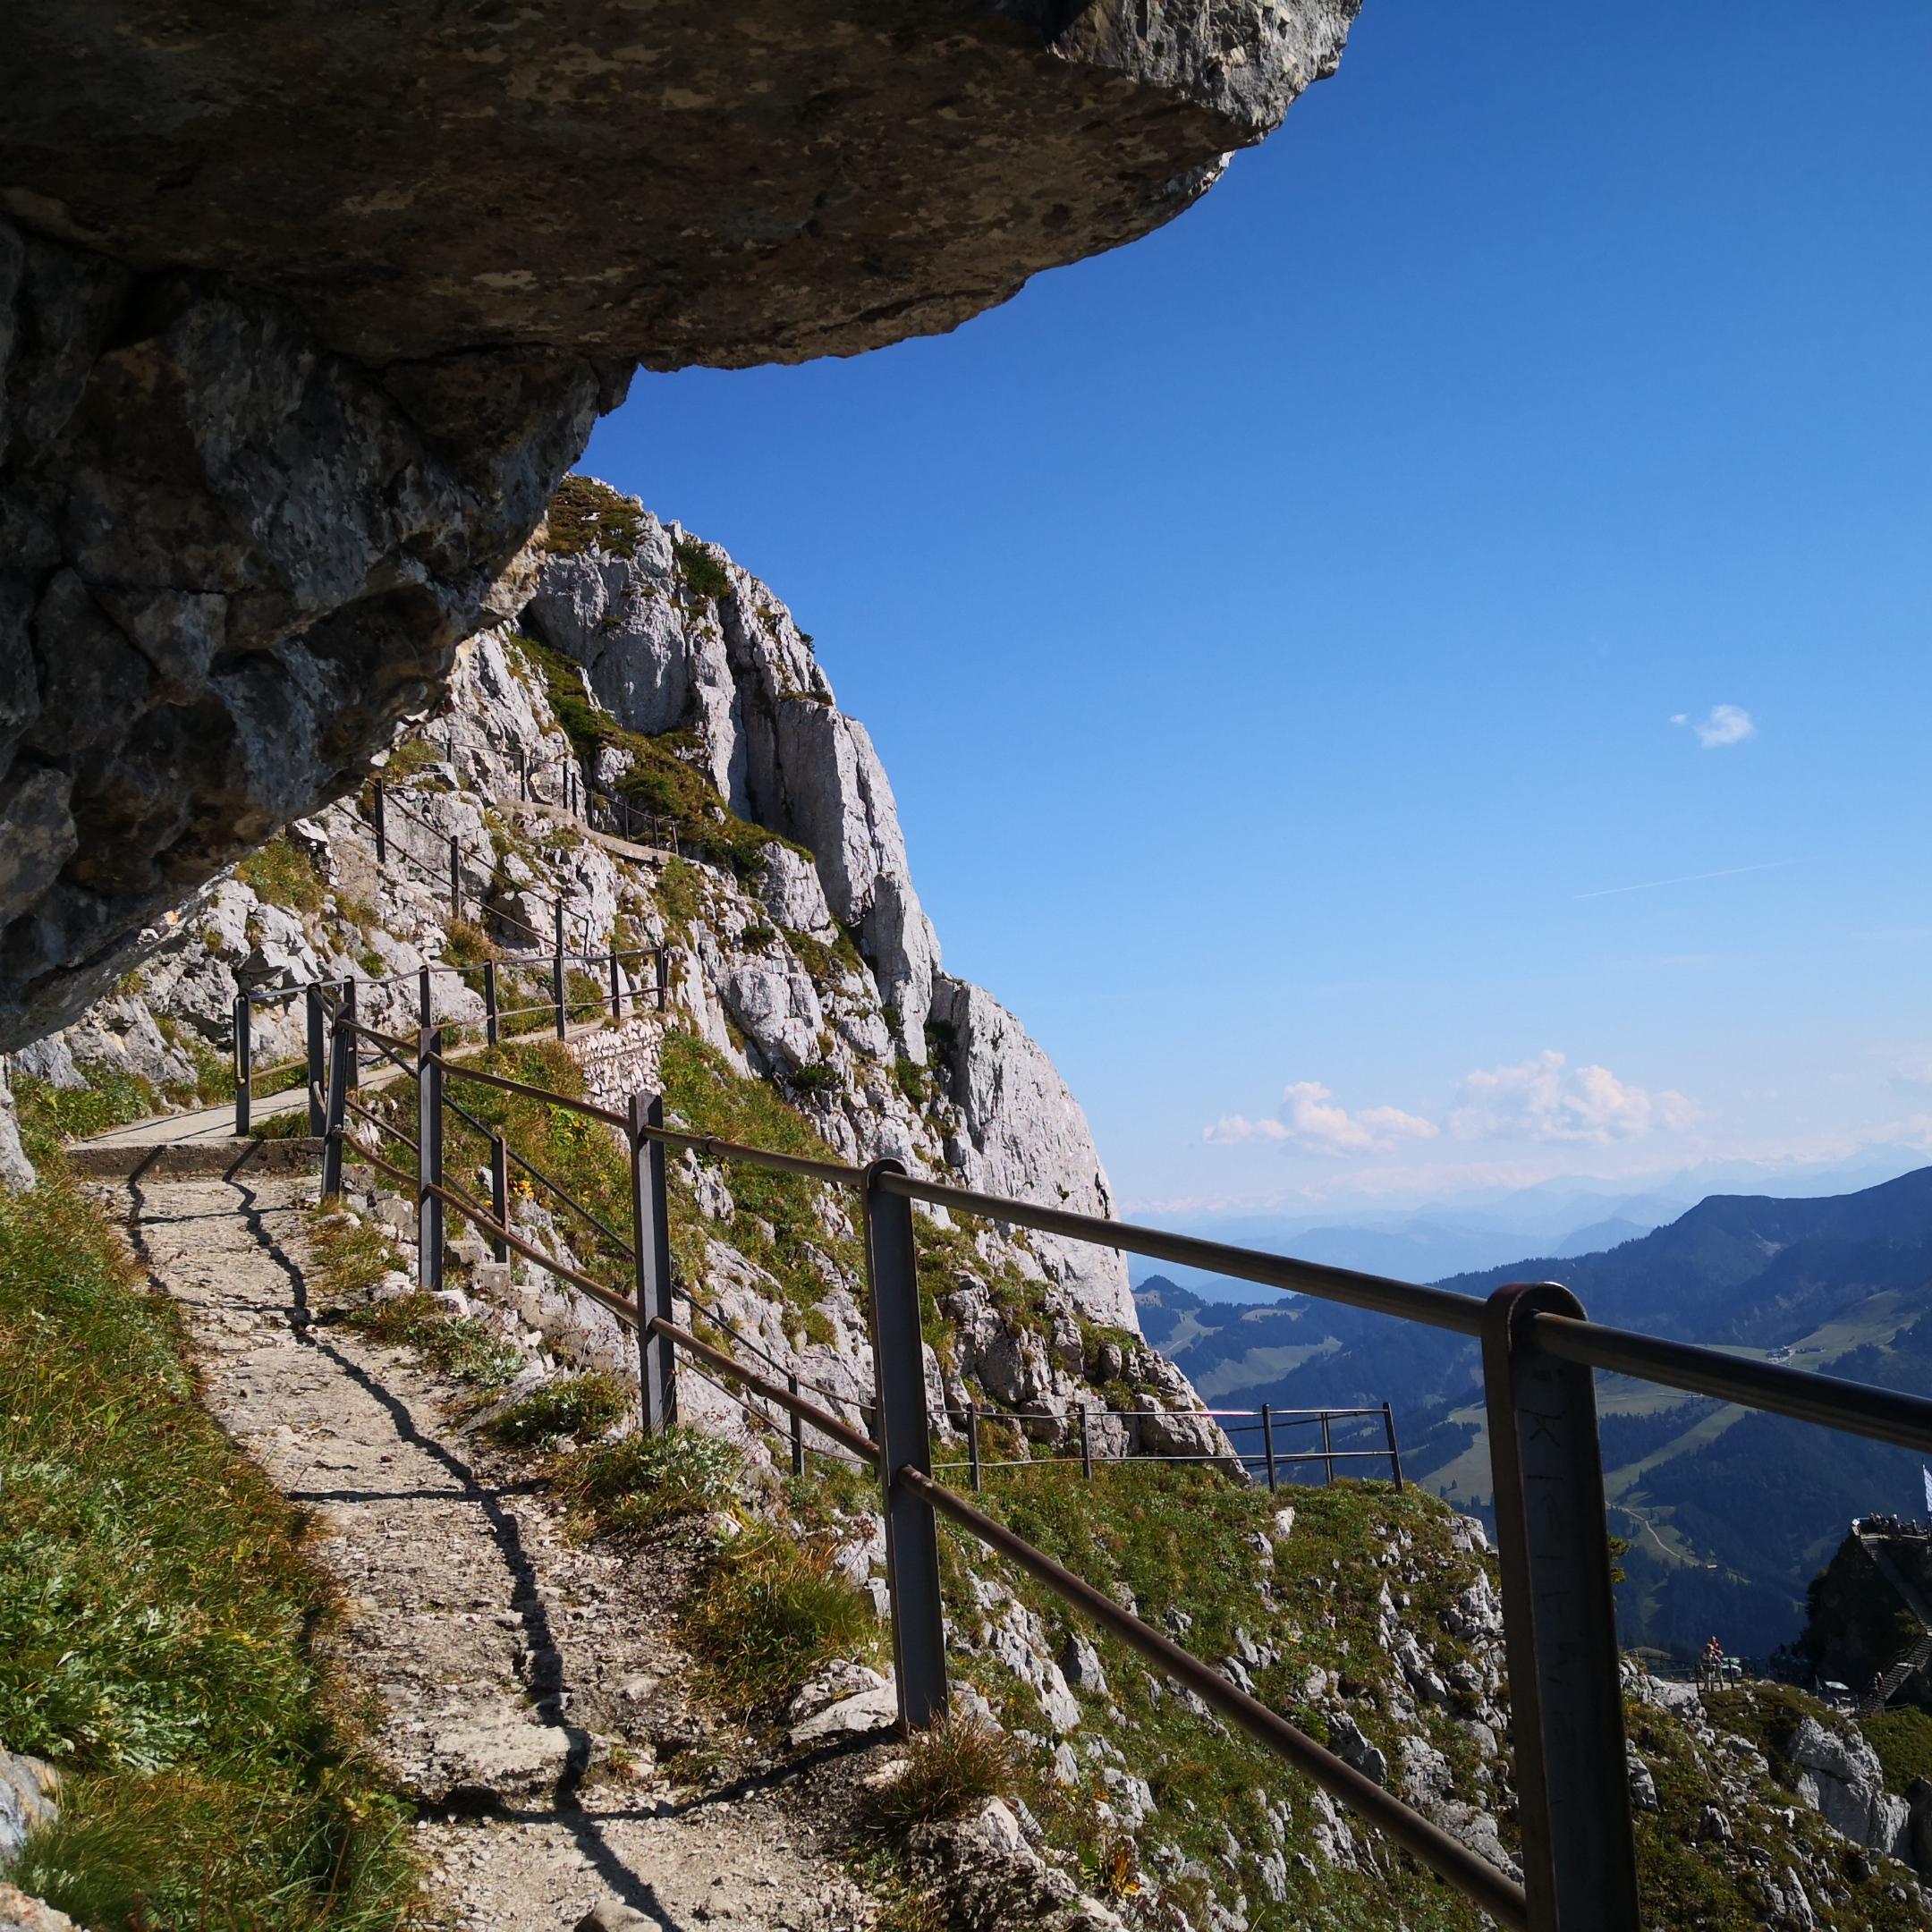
(302, 316)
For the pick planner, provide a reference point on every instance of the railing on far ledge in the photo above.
(1269, 1461)
(1539, 1357)
(319, 996)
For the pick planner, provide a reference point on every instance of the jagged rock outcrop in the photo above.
(733, 673)
(299, 328)
(737, 674)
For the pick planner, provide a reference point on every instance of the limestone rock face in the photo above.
(736, 674)
(675, 183)
(231, 561)
(739, 676)
(1026, 1136)
(1840, 1778)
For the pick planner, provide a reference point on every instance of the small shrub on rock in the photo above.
(582, 1406)
(951, 1768)
(639, 1482)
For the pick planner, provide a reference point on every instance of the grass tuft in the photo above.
(588, 515)
(582, 1406)
(640, 1482)
(958, 1764)
(282, 875)
(767, 1613)
(51, 1117)
(157, 1613)
(463, 1347)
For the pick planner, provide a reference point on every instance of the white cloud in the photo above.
(1232, 1129)
(1309, 1120)
(1546, 1099)
(1727, 724)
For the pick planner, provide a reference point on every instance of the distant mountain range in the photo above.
(1562, 1218)
(1729, 1513)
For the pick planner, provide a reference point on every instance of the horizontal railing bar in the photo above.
(472, 1211)
(1491, 1889)
(405, 1047)
(764, 1354)
(1297, 1416)
(1860, 1409)
(1435, 1305)
(585, 1107)
(569, 1200)
(836, 1173)
(376, 1160)
(828, 1425)
(1100, 1455)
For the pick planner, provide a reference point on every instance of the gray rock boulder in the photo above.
(1841, 1779)
(17, 1174)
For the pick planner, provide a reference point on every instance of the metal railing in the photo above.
(1269, 1461)
(576, 795)
(319, 996)
(1539, 1356)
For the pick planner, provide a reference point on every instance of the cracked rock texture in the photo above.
(231, 561)
(301, 321)
(675, 184)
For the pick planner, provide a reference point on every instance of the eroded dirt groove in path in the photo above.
(529, 1689)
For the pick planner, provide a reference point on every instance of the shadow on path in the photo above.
(539, 1641)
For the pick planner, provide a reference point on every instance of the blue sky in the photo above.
(1274, 630)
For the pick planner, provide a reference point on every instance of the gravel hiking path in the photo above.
(533, 1701)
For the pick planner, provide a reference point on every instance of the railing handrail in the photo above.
(1539, 1351)
(1885, 1415)
(263, 996)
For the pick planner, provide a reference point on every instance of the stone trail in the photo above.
(534, 1702)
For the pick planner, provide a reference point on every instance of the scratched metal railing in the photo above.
(1539, 1358)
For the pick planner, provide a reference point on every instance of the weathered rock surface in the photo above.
(21, 1911)
(678, 183)
(232, 561)
(299, 326)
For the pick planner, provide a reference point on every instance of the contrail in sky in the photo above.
(1689, 878)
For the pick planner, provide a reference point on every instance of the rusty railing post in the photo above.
(1085, 1446)
(797, 1431)
(490, 1029)
(616, 991)
(381, 817)
(353, 1071)
(899, 1380)
(972, 1443)
(1394, 1454)
(428, 1159)
(499, 1195)
(1559, 1623)
(244, 1060)
(650, 1235)
(342, 1057)
(1267, 1443)
(317, 1072)
(455, 872)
